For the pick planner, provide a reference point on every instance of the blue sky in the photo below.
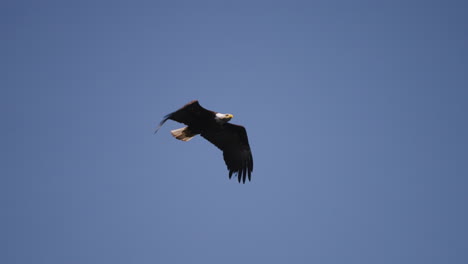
(355, 111)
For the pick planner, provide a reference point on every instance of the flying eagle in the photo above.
(214, 127)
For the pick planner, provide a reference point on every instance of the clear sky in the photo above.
(355, 111)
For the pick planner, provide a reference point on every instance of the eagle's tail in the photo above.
(184, 134)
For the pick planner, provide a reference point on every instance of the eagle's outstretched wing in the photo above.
(233, 141)
(191, 114)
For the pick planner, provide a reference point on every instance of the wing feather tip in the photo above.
(165, 118)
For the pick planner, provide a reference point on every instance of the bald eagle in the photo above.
(214, 127)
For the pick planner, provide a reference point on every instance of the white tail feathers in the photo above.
(184, 134)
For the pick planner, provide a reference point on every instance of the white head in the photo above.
(223, 118)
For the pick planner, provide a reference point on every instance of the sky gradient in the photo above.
(355, 111)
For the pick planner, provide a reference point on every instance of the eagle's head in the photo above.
(223, 118)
